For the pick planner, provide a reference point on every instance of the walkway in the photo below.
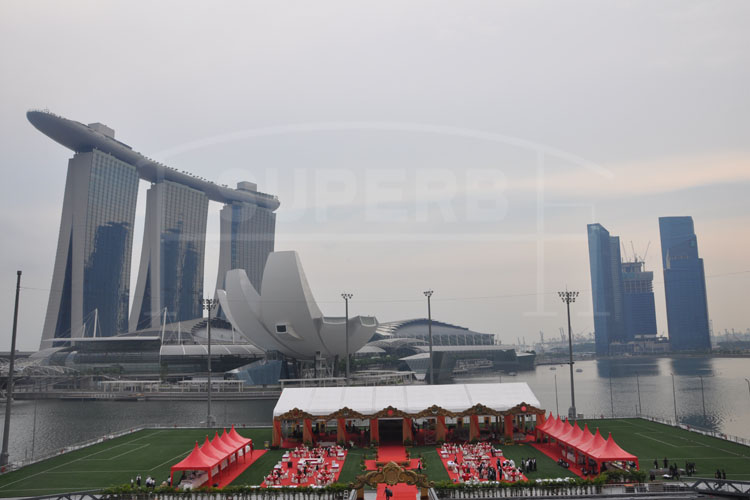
(394, 453)
(235, 469)
(554, 452)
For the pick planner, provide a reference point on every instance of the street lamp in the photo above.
(703, 398)
(569, 297)
(346, 297)
(428, 294)
(9, 387)
(638, 385)
(208, 304)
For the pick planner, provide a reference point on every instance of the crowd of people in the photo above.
(307, 466)
(478, 462)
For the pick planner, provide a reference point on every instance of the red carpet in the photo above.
(400, 492)
(553, 451)
(230, 473)
(391, 453)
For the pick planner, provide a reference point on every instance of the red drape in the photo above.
(440, 428)
(374, 431)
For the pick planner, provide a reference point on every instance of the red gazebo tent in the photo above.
(611, 452)
(197, 460)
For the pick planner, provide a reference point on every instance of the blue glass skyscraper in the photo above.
(606, 288)
(684, 285)
(640, 311)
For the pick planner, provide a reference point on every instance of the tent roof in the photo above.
(197, 460)
(611, 451)
(582, 437)
(594, 445)
(369, 400)
(237, 438)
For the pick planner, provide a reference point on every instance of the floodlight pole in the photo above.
(346, 297)
(569, 297)
(9, 387)
(703, 399)
(208, 304)
(428, 294)
(638, 385)
(674, 400)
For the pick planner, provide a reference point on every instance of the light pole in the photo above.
(674, 399)
(569, 297)
(346, 297)
(9, 387)
(638, 385)
(748, 384)
(611, 397)
(208, 304)
(703, 399)
(428, 294)
(557, 403)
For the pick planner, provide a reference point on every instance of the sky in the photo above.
(455, 146)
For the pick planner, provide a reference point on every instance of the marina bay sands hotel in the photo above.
(90, 290)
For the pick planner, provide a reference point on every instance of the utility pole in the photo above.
(9, 387)
(208, 304)
(703, 399)
(557, 403)
(638, 385)
(346, 297)
(428, 294)
(569, 297)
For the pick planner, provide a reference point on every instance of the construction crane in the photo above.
(562, 334)
(541, 337)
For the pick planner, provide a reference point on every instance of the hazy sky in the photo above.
(458, 146)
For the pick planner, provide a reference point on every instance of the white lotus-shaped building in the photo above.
(284, 316)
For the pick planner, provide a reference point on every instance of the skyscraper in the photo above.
(606, 288)
(247, 237)
(91, 279)
(170, 279)
(684, 285)
(640, 310)
(90, 284)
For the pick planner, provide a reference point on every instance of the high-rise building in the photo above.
(170, 279)
(606, 288)
(684, 285)
(247, 238)
(639, 307)
(91, 278)
(90, 285)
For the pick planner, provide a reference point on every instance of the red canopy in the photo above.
(553, 428)
(197, 460)
(239, 439)
(546, 423)
(228, 441)
(219, 445)
(567, 435)
(595, 444)
(611, 451)
(209, 450)
(574, 436)
(583, 438)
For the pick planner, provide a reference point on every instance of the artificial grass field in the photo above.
(148, 453)
(651, 440)
(153, 452)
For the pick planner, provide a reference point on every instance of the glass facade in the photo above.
(91, 283)
(640, 311)
(606, 288)
(173, 255)
(247, 238)
(684, 285)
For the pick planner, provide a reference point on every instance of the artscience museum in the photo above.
(284, 317)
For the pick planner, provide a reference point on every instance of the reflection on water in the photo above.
(64, 423)
(725, 392)
(724, 396)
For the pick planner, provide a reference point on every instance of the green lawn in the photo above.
(650, 440)
(152, 452)
(545, 466)
(115, 462)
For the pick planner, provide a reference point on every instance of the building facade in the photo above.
(170, 278)
(684, 285)
(89, 294)
(247, 238)
(639, 307)
(606, 288)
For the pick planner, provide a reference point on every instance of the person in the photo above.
(388, 493)
(656, 464)
(419, 466)
(717, 474)
(132, 482)
(666, 463)
(138, 480)
(723, 474)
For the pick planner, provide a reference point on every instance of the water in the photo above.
(725, 391)
(727, 402)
